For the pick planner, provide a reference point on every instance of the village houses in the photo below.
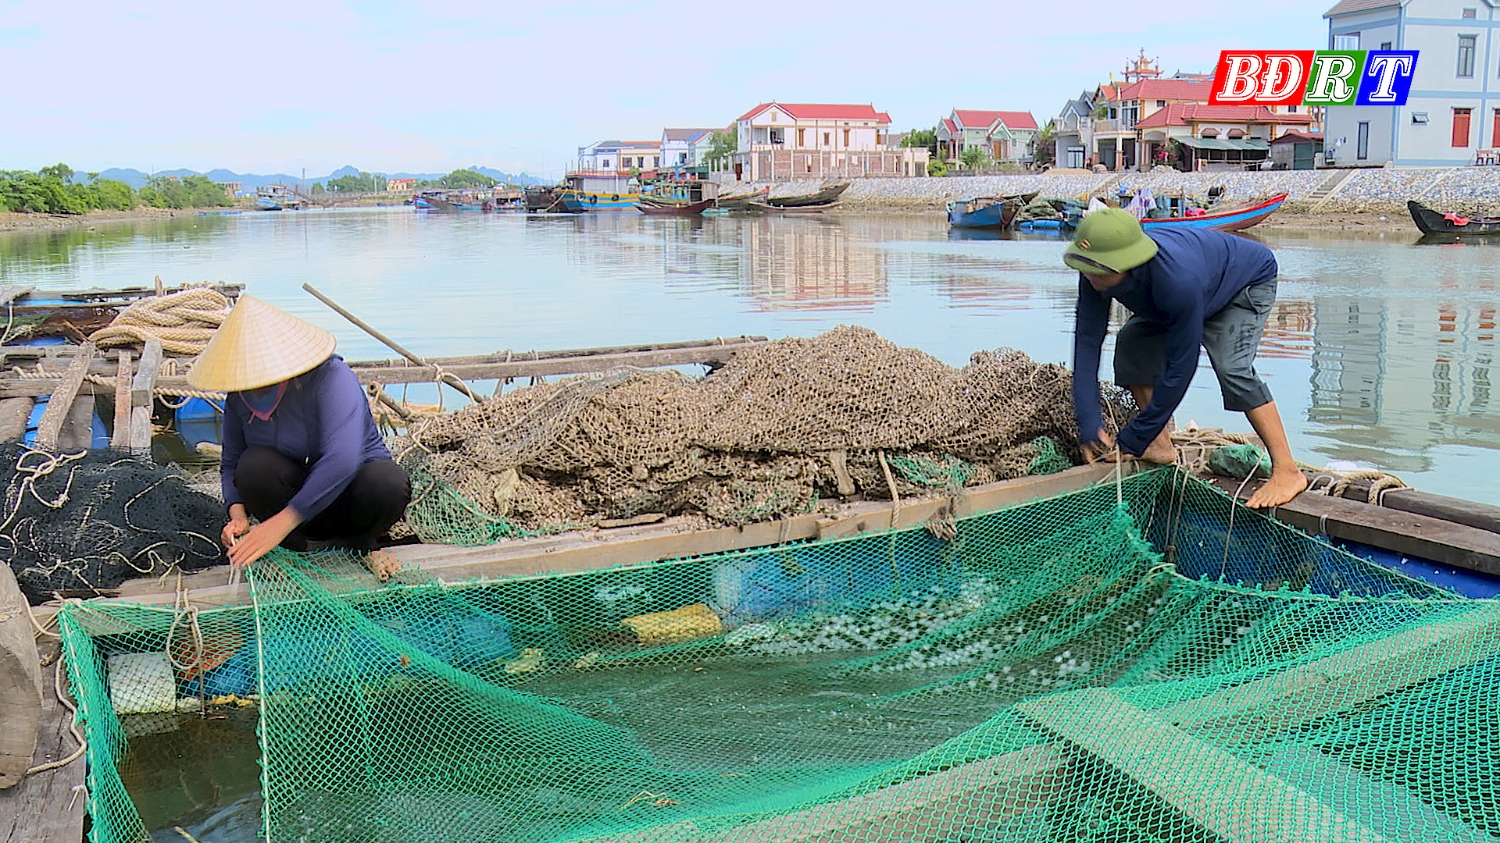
(802, 140)
(400, 185)
(1452, 116)
(1003, 135)
(619, 157)
(684, 148)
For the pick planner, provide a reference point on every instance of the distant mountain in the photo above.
(251, 181)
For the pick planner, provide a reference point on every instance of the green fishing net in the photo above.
(1141, 661)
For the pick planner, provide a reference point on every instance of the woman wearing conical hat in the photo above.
(302, 454)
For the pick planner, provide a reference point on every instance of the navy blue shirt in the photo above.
(323, 422)
(1195, 273)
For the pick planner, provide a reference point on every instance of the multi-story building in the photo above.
(1453, 110)
(400, 185)
(1074, 132)
(1004, 135)
(619, 157)
(802, 140)
(1213, 136)
(684, 148)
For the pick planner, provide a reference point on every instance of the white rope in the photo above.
(83, 745)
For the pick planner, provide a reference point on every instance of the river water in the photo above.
(1380, 351)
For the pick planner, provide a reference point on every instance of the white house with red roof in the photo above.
(1006, 135)
(779, 140)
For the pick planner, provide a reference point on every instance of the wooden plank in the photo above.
(48, 807)
(1482, 516)
(1402, 532)
(968, 798)
(142, 397)
(508, 356)
(20, 683)
(124, 390)
(1387, 807)
(595, 549)
(14, 413)
(77, 432)
(11, 292)
(1290, 698)
(1220, 792)
(875, 516)
(61, 403)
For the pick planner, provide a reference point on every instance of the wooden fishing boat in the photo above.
(986, 211)
(1437, 222)
(823, 196)
(765, 208)
(741, 201)
(1234, 219)
(672, 209)
(579, 201)
(277, 197)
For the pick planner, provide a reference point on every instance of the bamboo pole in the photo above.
(444, 377)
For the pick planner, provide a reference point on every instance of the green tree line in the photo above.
(58, 190)
(376, 182)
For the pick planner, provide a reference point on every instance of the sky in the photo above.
(279, 86)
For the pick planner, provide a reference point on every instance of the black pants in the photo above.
(376, 498)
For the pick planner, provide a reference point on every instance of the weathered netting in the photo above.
(766, 436)
(83, 522)
(1114, 664)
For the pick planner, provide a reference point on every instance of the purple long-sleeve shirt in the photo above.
(323, 422)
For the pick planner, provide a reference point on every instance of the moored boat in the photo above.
(277, 197)
(741, 201)
(579, 201)
(986, 211)
(672, 209)
(1437, 222)
(1233, 219)
(826, 194)
(764, 208)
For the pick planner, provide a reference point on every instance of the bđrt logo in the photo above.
(1313, 77)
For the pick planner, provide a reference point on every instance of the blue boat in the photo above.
(277, 197)
(1043, 225)
(986, 211)
(1235, 219)
(579, 201)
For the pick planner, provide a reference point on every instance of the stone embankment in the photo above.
(1472, 190)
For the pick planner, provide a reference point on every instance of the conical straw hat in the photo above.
(257, 346)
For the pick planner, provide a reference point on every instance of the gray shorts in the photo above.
(1230, 337)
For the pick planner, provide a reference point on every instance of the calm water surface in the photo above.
(1380, 351)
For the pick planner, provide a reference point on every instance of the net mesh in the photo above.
(1114, 664)
(764, 437)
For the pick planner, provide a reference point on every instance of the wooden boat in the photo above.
(1436, 222)
(827, 194)
(986, 211)
(277, 197)
(672, 209)
(1234, 219)
(741, 201)
(579, 201)
(764, 208)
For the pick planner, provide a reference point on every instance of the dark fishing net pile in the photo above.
(80, 523)
(766, 436)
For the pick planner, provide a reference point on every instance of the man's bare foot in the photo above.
(1281, 488)
(1161, 450)
(383, 564)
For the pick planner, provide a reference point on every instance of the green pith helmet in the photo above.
(1109, 239)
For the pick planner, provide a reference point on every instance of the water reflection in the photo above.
(1380, 349)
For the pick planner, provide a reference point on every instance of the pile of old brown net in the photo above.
(784, 424)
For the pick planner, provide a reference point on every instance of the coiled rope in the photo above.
(184, 321)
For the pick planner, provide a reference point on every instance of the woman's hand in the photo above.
(239, 524)
(263, 537)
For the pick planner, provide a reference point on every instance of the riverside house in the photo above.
(778, 141)
(684, 148)
(1452, 116)
(1005, 135)
(619, 157)
(1073, 131)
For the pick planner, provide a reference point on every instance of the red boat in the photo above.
(1234, 219)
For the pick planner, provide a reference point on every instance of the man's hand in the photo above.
(1100, 448)
(263, 537)
(239, 524)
